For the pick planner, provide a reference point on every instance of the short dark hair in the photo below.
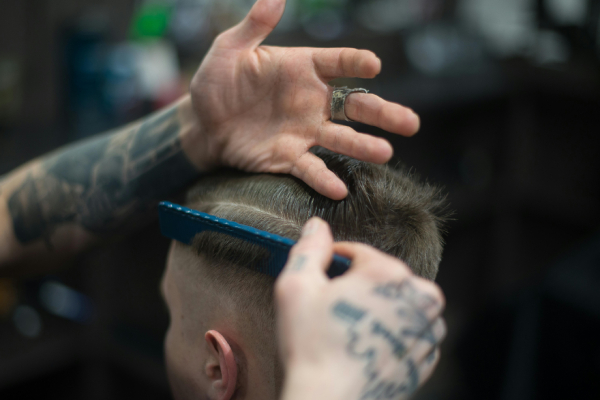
(387, 208)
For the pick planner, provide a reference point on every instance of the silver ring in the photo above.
(338, 100)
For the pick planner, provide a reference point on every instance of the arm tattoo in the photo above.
(105, 183)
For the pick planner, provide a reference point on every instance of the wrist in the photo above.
(306, 383)
(311, 382)
(194, 140)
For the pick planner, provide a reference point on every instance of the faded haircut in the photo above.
(387, 208)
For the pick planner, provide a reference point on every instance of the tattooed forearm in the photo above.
(105, 183)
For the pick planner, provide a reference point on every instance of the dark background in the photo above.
(508, 93)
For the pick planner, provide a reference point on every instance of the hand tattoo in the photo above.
(406, 292)
(412, 306)
(364, 328)
(377, 387)
(105, 183)
(298, 263)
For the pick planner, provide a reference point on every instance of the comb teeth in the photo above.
(183, 224)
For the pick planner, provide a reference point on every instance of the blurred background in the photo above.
(508, 92)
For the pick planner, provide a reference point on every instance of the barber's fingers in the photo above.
(340, 139)
(345, 140)
(373, 110)
(304, 272)
(428, 365)
(256, 26)
(313, 171)
(428, 297)
(334, 63)
(387, 270)
(313, 252)
(424, 345)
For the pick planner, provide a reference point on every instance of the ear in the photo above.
(221, 369)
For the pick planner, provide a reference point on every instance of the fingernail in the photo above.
(310, 227)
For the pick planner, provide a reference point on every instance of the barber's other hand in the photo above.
(261, 108)
(372, 333)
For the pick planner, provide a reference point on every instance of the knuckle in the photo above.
(432, 290)
(337, 137)
(437, 300)
(355, 108)
(282, 150)
(395, 268)
(303, 168)
(362, 248)
(382, 109)
(357, 147)
(298, 249)
(344, 62)
(357, 63)
(438, 295)
(306, 248)
(443, 329)
(436, 357)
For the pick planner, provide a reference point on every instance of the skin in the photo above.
(260, 109)
(207, 351)
(378, 325)
(288, 87)
(253, 107)
(63, 203)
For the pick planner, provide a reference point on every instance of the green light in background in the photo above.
(151, 21)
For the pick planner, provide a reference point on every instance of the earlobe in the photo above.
(222, 371)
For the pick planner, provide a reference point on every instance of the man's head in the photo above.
(222, 339)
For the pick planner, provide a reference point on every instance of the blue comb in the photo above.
(182, 224)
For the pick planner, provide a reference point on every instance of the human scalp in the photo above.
(386, 207)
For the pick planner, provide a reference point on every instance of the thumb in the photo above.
(308, 260)
(258, 24)
(313, 252)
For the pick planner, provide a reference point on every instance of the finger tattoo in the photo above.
(299, 262)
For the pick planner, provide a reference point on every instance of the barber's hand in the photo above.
(372, 333)
(262, 108)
